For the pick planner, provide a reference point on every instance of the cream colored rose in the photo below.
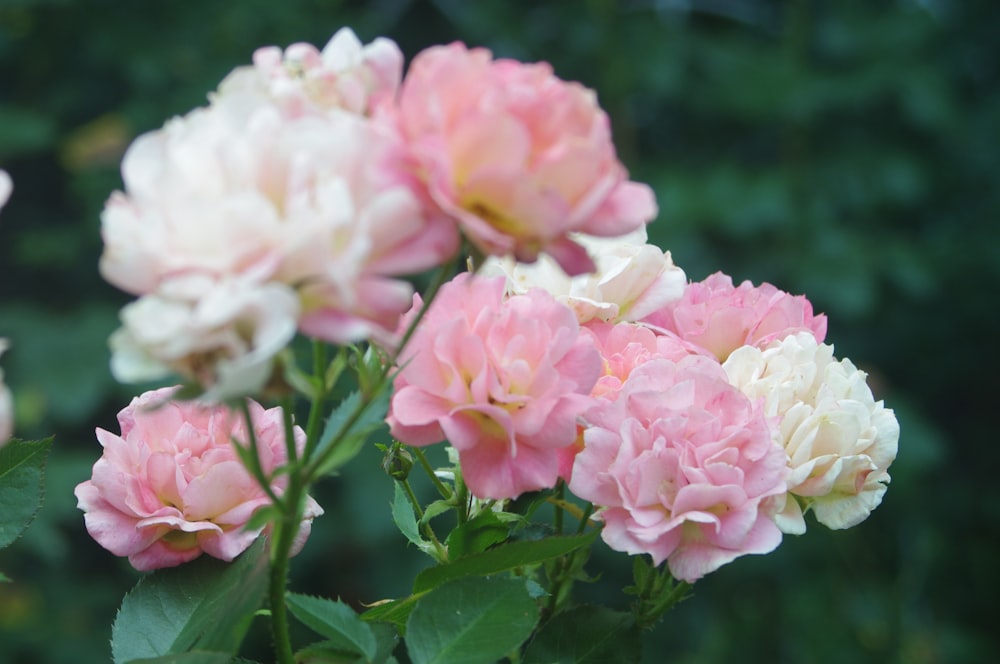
(633, 278)
(222, 333)
(840, 441)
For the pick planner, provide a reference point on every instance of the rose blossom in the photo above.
(632, 280)
(221, 333)
(236, 193)
(503, 380)
(626, 346)
(6, 405)
(840, 441)
(683, 467)
(623, 347)
(171, 486)
(720, 317)
(302, 79)
(518, 157)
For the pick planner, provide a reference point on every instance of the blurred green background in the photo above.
(846, 150)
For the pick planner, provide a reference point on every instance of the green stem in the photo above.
(443, 489)
(558, 502)
(316, 407)
(424, 526)
(461, 497)
(382, 382)
(279, 613)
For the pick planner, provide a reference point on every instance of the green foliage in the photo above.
(344, 629)
(501, 559)
(586, 635)
(205, 605)
(350, 426)
(457, 622)
(22, 475)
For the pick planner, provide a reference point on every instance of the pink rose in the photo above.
(720, 317)
(518, 157)
(626, 346)
(683, 468)
(504, 381)
(623, 348)
(171, 486)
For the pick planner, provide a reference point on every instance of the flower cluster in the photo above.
(171, 486)
(702, 420)
(314, 180)
(718, 416)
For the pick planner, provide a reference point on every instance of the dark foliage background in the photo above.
(847, 150)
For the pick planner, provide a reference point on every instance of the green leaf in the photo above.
(586, 635)
(396, 611)
(202, 605)
(336, 621)
(502, 558)
(4, 578)
(470, 621)
(327, 652)
(346, 439)
(22, 478)
(194, 657)
(476, 535)
(385, 638)
(406, 520)
(436, 508)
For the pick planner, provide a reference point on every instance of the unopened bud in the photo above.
(397, 462)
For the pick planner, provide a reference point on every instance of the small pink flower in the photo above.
(171, 486)
(518, 157)
(683, 468)
(504, 381)
(720, 317)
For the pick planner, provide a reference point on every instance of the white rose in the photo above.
(840, 441)
(222, 333)
(632, 280)
(303, 80)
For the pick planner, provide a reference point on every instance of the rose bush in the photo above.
(573, 372)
